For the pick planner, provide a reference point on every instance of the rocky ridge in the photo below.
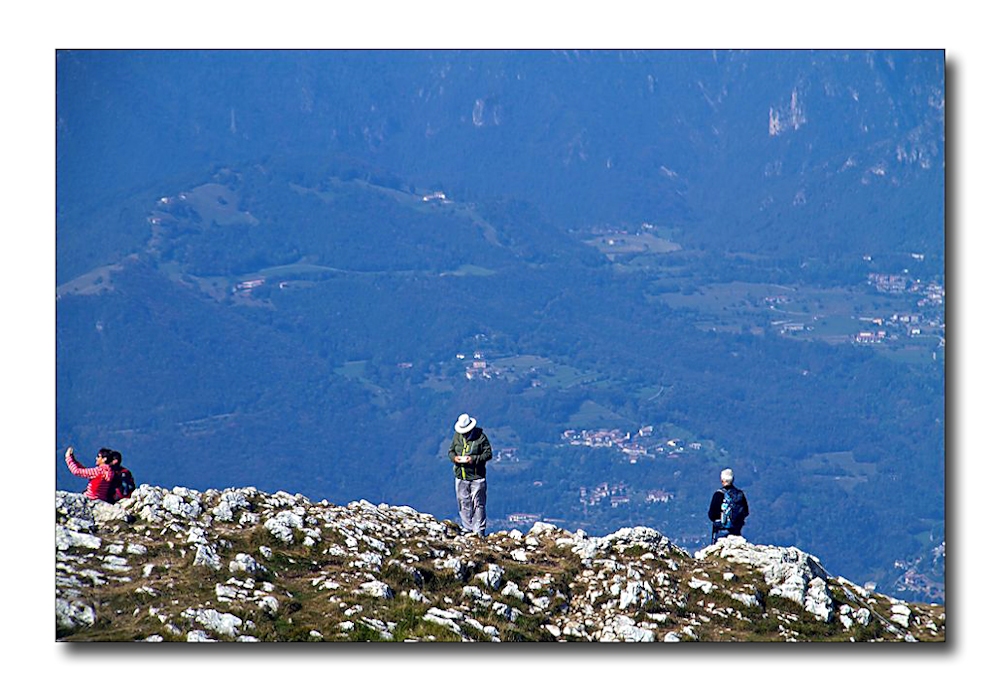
(243, 565)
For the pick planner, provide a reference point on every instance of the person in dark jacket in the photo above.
(123, 483)
(728, 509)
(470, 451)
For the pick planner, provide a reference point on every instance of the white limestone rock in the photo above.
(231, 501)
(539, 603)
(376, 589)
(636, 594)
(846, 616)
(818, 600)
(74, 614)
(367, 560)
(75, 507)
(269, 604)
(546, 529)
(863, 616)
(282, 524)
(475, 593)
(701, 584)
(206, 556)
(492, 577)
(790, 573)
(506, 611)
(226, 594)
(414, 594)
(105, 512)
(199, 636)
(67, 538)
(590, 548)
(175, 504)
(900, 614)
(243, 562)
(435, 618)
(624, 628)
(749, 600)
(114, 563)
(223, 623)
(196, 534)
(511, 589)
(458, 567)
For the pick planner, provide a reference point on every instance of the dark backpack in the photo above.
(733, 511)
(121, 486)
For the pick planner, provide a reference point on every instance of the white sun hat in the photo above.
(465, 423)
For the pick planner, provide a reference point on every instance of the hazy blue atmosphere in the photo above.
(294, 270)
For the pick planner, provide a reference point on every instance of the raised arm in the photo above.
(78, 469)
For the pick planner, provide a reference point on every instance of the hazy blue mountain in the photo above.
(798, 152)
(276, 269)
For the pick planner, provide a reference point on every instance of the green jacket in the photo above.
(476, 445)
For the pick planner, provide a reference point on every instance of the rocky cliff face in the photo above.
(243, 565)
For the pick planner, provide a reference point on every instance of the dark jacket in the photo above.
(477, 446)
(740, 515)
(122, 485)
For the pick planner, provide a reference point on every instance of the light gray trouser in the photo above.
(472, 504)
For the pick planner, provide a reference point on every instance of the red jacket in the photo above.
(101, 478)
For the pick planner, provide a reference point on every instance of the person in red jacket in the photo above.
(101, 475)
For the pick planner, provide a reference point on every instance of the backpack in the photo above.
(122, 485)
(733, 513)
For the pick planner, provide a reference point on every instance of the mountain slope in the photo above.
(243, 565)
(806, 152)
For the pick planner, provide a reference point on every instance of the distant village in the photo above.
(912, 580)
(642, 444)
(478, 368)
(925, 319)
(619, 494)
(616, 495)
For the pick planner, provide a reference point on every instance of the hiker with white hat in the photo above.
(470, 450)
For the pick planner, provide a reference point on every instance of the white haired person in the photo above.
(469, 452)
(728, 509)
